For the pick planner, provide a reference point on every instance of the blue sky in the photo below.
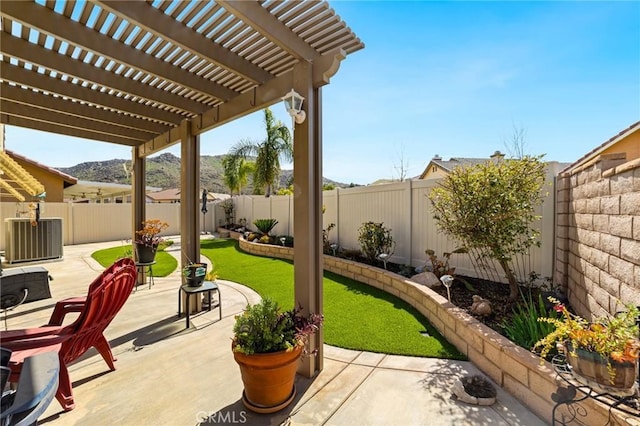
(447, 78)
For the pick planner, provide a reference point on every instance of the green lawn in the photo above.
(165, 263)
(357, 316)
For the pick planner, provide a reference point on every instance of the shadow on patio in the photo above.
(169, 375)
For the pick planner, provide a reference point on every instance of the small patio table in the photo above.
(145, 267)
(206, 286)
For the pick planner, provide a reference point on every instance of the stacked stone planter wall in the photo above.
(513, 368)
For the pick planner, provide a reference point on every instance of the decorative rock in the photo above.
(480, 306)
(428, 279)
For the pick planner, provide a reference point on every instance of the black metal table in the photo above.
(146, 268)
(206, 286)
(576, 391)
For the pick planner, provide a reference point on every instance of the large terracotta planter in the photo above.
(591, 368)
(268, 379)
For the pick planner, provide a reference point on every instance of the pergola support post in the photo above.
(189, 191)
(307, 211)
(138, 197)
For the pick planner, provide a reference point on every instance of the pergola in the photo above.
(150, 74)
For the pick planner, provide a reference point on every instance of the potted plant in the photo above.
(602, 353)
(195, 273)
(267, 345)
(148, 238)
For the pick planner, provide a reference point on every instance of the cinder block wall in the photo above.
(598, 235)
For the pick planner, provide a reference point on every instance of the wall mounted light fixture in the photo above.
(293, 104)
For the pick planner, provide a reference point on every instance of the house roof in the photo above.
(449, 165)
(68, 179)
(604, 146)
(174, 195)
(130, 72)
(88, 190)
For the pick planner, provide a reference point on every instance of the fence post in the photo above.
(409, 219)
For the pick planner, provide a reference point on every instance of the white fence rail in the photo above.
(402, 207)
(91, 222)
(405, 209)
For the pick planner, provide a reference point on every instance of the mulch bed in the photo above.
(496, 293)
(461, 296)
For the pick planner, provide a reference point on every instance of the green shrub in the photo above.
(265, 225)
(374, 240)
(523, 328)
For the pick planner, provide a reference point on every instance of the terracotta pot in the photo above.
(592, 369)
(268, 379)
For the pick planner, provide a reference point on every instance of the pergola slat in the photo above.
(149, 74)
(157, 22)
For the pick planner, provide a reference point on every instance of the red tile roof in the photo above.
(65, 177)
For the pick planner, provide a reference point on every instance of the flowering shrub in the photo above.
(613, 338)
(148, 235)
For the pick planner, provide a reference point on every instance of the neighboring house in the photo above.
(173, 196)
(53, 181)
(623, 147)
(438, 167)
(101, 192)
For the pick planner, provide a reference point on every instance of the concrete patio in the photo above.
(169, 375)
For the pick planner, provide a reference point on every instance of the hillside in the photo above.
(163, 172)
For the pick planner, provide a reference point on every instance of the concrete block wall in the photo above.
(598, 235)
(515, 369)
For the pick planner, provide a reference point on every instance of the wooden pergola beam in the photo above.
(246, 103)
(158, 23)
(34, 54)
(63, 130)
(17, 75)
(24, 110)
(270, 27)
(139, 129)
(47, 21)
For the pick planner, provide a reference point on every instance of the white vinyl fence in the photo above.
(402, 207)
(92, 222)
(405, 209)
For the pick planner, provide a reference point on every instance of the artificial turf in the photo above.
(165, 263)
(357, 316)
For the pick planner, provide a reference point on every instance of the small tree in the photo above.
(374, 240)
(490, 208)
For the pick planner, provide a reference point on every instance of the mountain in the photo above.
(163, 172)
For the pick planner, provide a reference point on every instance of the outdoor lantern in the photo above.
(293, 103)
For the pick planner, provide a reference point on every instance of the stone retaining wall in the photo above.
(515, 369)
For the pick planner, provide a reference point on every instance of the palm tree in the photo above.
(236, 172)
(277, 145)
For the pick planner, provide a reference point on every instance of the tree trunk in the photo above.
(513, 284)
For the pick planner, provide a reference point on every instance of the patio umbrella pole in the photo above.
(204, 211)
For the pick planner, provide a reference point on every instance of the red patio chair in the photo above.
(105, 297)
